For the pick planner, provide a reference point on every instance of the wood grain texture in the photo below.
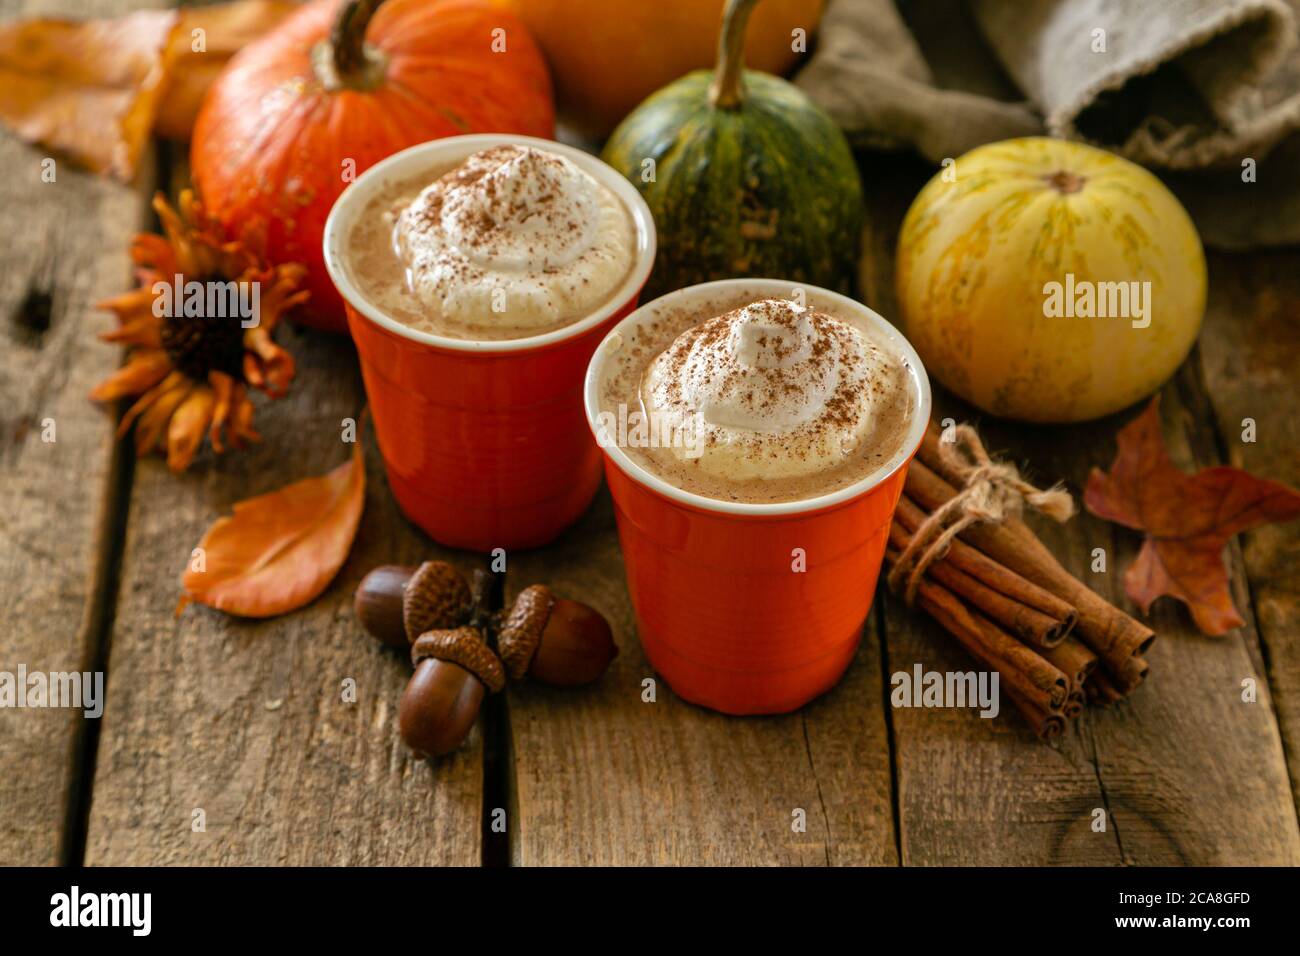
(64, 247)
(602, 777)
(1184, 747)
(1250, 356)
(245, 720)
(986, 791)
(1186, 772)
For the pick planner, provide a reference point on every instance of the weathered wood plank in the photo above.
(970, 790)
(598, 776)
(976, 791)
(64, 247)
(602, 777)
(1250, 356)
(1191, 774)
(1186, 772)
(246, 720)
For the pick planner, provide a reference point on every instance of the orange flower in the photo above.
(199, 329)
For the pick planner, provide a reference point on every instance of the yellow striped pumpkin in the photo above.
(1049, 281)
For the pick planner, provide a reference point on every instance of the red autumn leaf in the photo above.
(1187, 519)
(280, 550)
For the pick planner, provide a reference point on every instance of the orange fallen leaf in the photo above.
(1188, 519)
(87, 89)
(280, 550)
(203, 43)
(95, 89)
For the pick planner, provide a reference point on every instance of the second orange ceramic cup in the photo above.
(751, 608)
(485, 442)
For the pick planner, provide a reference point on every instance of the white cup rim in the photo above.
(454, 149)
(776, 288)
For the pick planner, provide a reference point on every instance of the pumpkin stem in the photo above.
(727, 90)
(1065, 182)
(354, 64)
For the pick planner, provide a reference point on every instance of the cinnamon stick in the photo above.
(1133, 673)
(1113, 635)
(997, 576)
(1030, 625)
(1034, 678)
(1074, 660)
(1100, 688)
(1032, 613)
(1046, 723)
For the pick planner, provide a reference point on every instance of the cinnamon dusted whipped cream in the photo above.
(770, 400)
(513, 242)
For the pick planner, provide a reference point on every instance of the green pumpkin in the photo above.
(749, 176)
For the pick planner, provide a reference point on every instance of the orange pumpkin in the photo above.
(607, 57)
(298, 114)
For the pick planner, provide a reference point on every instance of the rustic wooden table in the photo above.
(245, 720)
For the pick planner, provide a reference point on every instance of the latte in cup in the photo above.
(757, 400)
(514, 241)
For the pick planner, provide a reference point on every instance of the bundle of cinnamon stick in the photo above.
(1056, 644)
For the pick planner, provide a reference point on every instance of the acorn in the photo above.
(554, 640)
(454, 669)
(397, 603)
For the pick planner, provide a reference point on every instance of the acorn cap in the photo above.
(463, 646)
(436, 598)
(522, 629)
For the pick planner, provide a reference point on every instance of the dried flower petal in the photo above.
(212, 357)
(145, 370)
(188, 424)
(151, 427)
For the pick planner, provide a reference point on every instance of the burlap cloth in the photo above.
(1190, 88)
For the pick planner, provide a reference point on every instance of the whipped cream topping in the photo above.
(514, 236)
(770, 390)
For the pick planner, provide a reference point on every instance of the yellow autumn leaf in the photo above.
(86, 89)
(94, 90)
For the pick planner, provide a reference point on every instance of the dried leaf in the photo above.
(87, 89)
(280, 550)
(1187, 519)
(201, 46)
(95, 89)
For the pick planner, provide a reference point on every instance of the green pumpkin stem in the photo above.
(727, 89)
(355, 65)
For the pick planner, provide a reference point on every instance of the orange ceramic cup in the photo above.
(722, 612)
(484, 442)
